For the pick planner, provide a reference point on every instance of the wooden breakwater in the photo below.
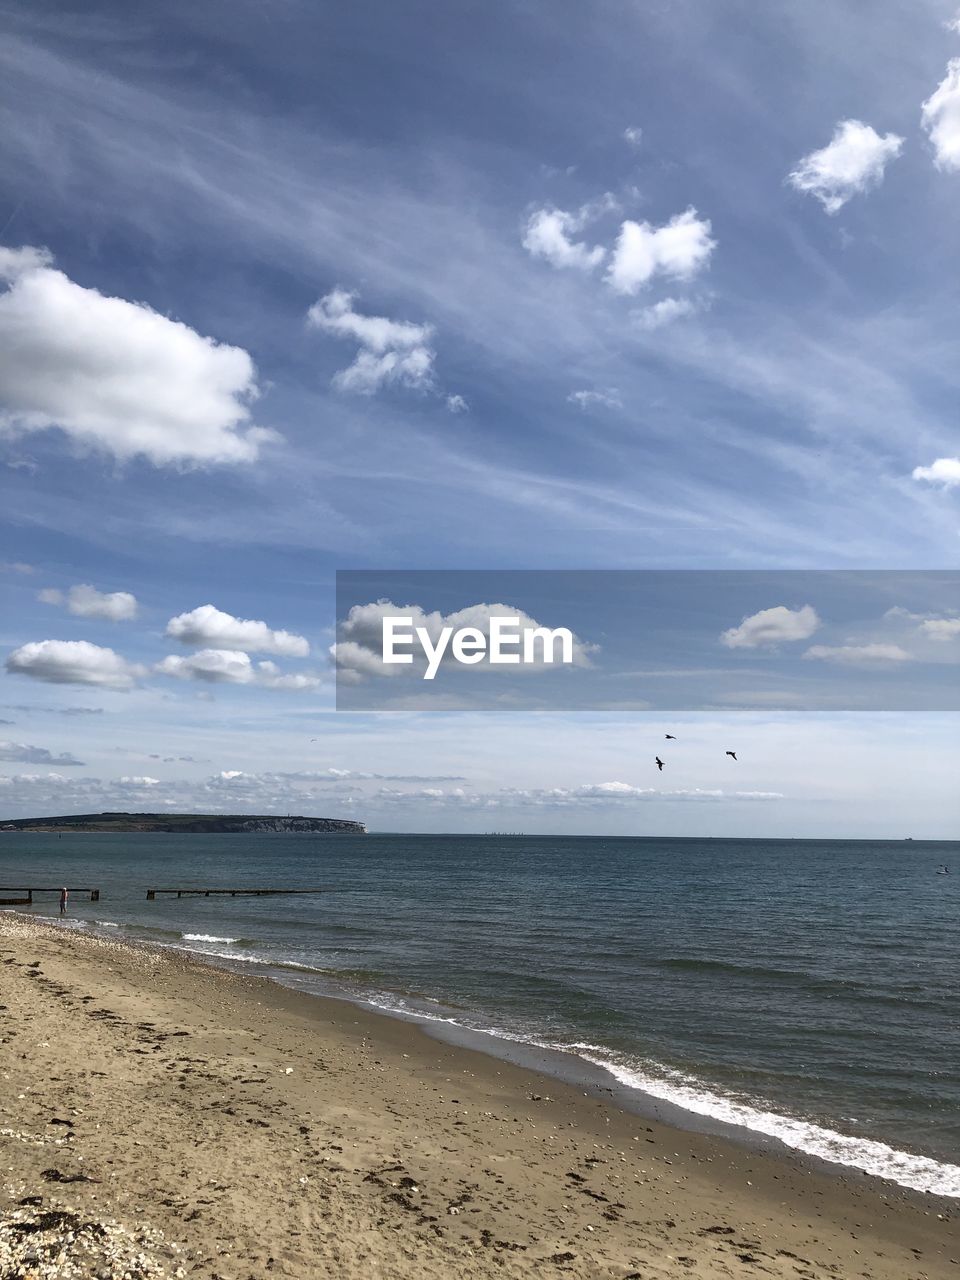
(27, 901)
(231, 893)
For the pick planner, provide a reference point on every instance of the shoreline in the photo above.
(692, 1108)
(341, 1137)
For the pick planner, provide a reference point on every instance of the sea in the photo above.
(800, 992)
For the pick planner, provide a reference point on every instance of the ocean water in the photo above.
(805, 990)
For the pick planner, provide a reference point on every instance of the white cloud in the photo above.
(678, 249)
(271, 677)
(335, 314)
(772, 626)
(941, 117)
(391, 351)
(370, 372)
(633, 135)
(859, 655)
(851, 163)
(231, 666)
(591, 796)
(73, 662)
(208, 626)
(548, 235)
(140, 780)
(216, 666)
(457, 404)
(84, 601)
(941, 628)
(945, 471)
(664, 312)
(586, 399)
(953, 24)
(22, 753)
(117, 376)
(358, 651)
(15, 566)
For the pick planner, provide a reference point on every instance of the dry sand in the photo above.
(224, 1127)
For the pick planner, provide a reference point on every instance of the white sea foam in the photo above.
(920, 1173)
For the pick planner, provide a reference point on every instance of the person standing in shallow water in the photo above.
(63, 902)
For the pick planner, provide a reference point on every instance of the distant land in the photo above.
(187, 823)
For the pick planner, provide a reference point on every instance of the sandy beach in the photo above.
(163, 1118)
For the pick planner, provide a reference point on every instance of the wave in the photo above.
(211, 937)
(919, 1173)
(655, 1080)
(916, 1172)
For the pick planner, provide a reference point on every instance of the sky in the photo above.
(295, 289)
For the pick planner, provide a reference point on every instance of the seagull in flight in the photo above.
(732, 753)
(659, 764)
(671, 736)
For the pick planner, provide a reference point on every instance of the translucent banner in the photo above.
(830, 640)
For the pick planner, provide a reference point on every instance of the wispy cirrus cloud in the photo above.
(859, 655)
(591, 398)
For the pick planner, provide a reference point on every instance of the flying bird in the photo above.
(659, 764)
(673, 736)
(732, 753)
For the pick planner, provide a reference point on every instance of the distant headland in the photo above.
(186, 823)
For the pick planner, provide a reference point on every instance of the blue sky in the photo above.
(463, 286)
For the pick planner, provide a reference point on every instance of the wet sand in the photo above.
(247, 1131)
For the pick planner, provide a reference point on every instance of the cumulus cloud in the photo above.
(859, 655)
(941, 118)
(771, 627)
(596, 795)
(588, 399)
(391, 351)
(73, 662)
(457, 404)
(664, 312)
(633, 135)
(549, 235)
(271, 677)
(942, 629)
(358, 651)
(116, 375)
(139, 780)
(850, 164)
(209, 627)
(945, 471)
(232, 666)
(679, 250)
(84, 601)
(24, 754)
